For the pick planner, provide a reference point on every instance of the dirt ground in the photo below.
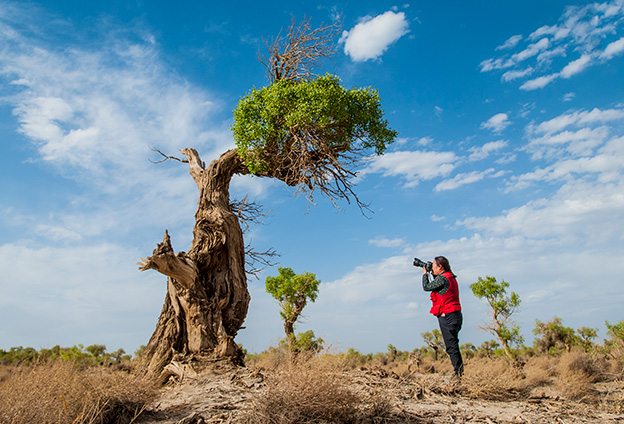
(223, 395)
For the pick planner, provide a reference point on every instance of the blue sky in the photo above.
(509, 162)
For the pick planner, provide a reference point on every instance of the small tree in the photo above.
(488, 347)
(434, 340)
(96, 350)
(554, 337)
(614, 347)
(292, 291)
(503, 307)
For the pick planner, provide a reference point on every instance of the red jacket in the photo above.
(447, 302)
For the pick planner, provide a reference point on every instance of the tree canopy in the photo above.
(503, 307)
(292, 291)
(310, 133)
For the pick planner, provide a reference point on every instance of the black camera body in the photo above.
(422, 264)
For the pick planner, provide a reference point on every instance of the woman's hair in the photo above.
(444, 263)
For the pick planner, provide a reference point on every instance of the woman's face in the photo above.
(437, 269)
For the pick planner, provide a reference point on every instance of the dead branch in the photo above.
(164, 260)
(253, 258)
(248, 212)
(165, 157)
(293, 56)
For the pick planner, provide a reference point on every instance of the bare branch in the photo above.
(252, 258)
(165, 157)
(248, 212)
(294, 56)
(252, 213)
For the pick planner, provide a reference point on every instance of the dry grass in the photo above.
(312, 390)
(576, 372)
(492, 379)
(62, 392)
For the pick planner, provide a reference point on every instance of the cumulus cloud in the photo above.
(510, 43)
(613, 49)
(575, 66)
(482, 152)
(370, 38)
(579, 144)
(512, 75)
(580, 28)
(413, 166)
(496, 123)
(539, 82)
(465, 178)
(531, 50)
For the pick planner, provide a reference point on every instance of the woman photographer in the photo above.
(446, 307)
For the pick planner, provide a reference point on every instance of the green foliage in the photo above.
(292, 291)
(306, 342)
(92, 355)
(616, 331)
(487, 348)
(554, 338)
(586, 336)
(496, 295)
(265, 120)
(96, 350)
(503, 307)
(614, 347)
(434, 340)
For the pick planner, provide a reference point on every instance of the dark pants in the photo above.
(450, 324)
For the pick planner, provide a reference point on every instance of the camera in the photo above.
(422, 264)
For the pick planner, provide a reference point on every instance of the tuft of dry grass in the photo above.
(65, 393)
(540, 371)
(576, 372)
(493, 379)
(313, 391)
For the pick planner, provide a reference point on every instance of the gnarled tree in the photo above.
(305, 130)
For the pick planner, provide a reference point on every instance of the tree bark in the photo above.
(207, 297)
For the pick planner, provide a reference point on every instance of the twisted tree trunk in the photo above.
(207, 297)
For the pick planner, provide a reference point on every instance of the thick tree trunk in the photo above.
(207, 297)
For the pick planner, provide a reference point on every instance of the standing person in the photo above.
(446, 307)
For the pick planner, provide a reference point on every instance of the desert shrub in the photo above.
(493, 379)
(64, 392)
(311, 392)
(539, 371)
(576, 372)
(553, 337)
(270, 359)
(350, 359)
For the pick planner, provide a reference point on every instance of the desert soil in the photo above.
(223, 395)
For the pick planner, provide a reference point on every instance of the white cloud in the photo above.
(492, 64)
(466, 178)
(370, 38)
(413, 166)
(482, 152)
(569, 97)
(578, 211)
(424, 141)
(84, 282)
(512, 75)
(496, 123)
(575, 66)
(539, 82)
(580, 29)
(613, 49)
(386, 242)
(580, 117)
(531, 50)
(510, 43)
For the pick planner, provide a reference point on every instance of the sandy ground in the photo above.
(223, 395)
